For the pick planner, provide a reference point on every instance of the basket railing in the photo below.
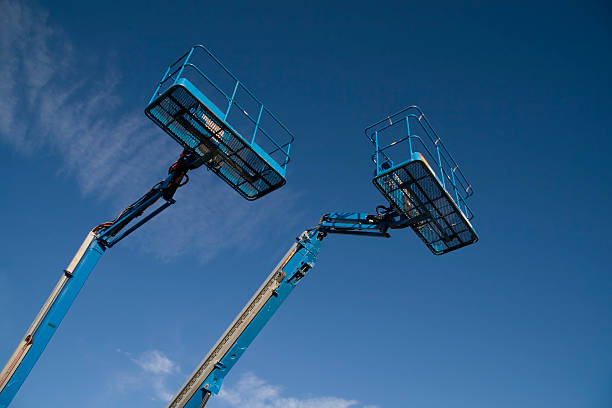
(429, 144)
(177, 70)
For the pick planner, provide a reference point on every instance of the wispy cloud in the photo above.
(43, 107)
(112, 151)
(254, 392)
(156, 362)
(48, 102)
(154, 369)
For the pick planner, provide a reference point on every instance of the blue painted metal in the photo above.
(297, 267)
(51, 321)
(419, 199)
(193, 106)
(257, 124)
(100, 238)
(361, 223)
(210, 137)
(231, 101)
(294, 267)
(437, 201)
(407, 119)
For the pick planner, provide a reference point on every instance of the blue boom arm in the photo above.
(74, 276)
(207, 378)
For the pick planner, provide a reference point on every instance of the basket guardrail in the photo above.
(210, 115)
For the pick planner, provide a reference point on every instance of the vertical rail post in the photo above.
(183, 66)
(376, 146)
(440, 163)
(231, 101)
(455, 187)
(257, 123)
(409, 137)
(156, 93)
(287, 156)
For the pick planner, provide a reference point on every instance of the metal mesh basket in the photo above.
(414, 190)
(197, 129)
(435, 204)
(203, 106)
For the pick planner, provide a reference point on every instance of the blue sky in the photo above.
(519, 91)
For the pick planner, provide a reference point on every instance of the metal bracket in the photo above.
(300, 273)
(205, 397)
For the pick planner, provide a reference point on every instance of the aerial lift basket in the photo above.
(429, 188)
(208, 111)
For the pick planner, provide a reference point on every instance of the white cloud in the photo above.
(157, 367)
(155, 362)
(50, 99)
(53, 99)
(154, 370)
(253, 392)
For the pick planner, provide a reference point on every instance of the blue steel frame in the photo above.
(105, 236)
(428, 144)
(296, 264)
(183, 72)
(429, 188)
(71, 282)
(37, 341)
(208, 377)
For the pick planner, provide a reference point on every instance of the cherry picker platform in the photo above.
(434, 200)
(419, 199)
(249, 151)
(209, 137)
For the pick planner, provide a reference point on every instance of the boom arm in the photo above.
(296, 263)
(74, 276)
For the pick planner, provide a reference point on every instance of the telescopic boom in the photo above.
(208, 376)
(104, 236)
